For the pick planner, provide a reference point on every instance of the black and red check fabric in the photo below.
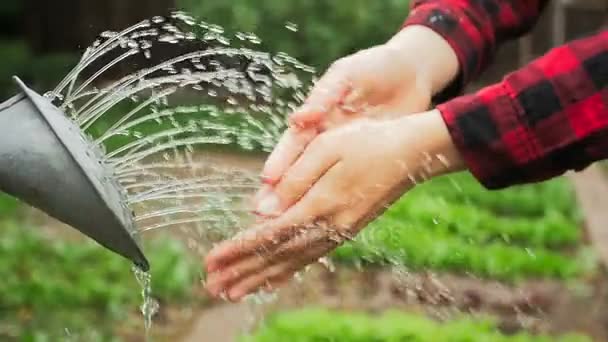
(546, 118)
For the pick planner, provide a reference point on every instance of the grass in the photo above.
(316, 325)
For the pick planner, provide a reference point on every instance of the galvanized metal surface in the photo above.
(46, 162)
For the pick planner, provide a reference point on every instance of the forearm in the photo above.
(435, 60)
(547, 118)
(439, 154)
(474, 29)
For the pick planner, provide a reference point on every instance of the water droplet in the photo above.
(158, 19)
(531, 253)
(252, 38)
(168, 38)
(291, 26)
(109, 34)
(216, 29)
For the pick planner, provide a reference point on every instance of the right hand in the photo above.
(396, 78)
(340, 183)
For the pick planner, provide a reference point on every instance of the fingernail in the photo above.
(235, 296)
(262, 192)
(269, 205)
(213, 289)
(268, 180)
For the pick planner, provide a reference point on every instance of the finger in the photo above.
(316, 160)
(325, 95)
(285, 269)
(264, 190)
(217, 281)
(244, 244)
(318, 202)
(252, 283)
(356, 101)
(355, 104)
(289, 148)
(276, 283)
(302, 240)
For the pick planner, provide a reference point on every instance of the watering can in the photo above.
(46, 162)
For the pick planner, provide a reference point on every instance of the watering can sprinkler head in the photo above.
(46, 162)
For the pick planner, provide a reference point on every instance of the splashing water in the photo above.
(150, 306)
(161, 127)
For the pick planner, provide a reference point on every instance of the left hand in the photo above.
(344, 179)
(389, 80)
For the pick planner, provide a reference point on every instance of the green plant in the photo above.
(52, 284)
(391, 243)
(8, 205)
(455, 225)
(524, 200)
(478, 224)
(315, 325)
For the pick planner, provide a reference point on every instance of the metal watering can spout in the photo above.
(46, 162)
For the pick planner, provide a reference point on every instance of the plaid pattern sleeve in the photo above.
(547, 118)
(474, 29)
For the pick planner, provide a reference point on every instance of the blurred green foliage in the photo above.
(453, 224)
(327, 30)
(316, 325)
(41, 72)
(50, 285)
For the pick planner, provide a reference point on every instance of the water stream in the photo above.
(195, 88)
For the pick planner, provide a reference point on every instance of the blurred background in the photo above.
(545, 278)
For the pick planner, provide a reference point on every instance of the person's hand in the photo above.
(343, 180)
(396, 78)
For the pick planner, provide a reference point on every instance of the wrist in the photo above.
(439, 154)
(433, 57)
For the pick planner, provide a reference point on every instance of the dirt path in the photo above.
(223, 323)
(592, 193)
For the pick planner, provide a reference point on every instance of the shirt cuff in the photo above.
(462, 37)
(483, 127)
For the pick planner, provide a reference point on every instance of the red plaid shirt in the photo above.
(549, 117)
